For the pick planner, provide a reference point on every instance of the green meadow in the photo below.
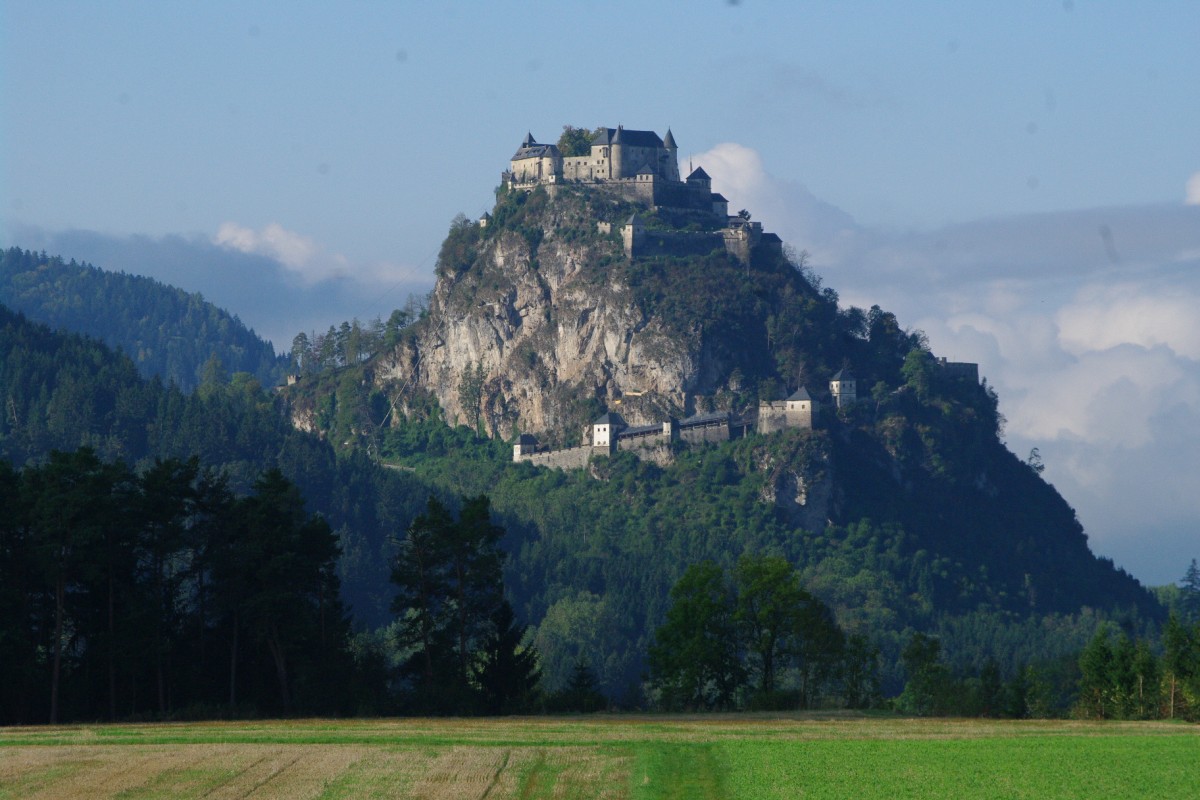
(634, 757)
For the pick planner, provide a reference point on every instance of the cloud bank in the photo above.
(1085, 322)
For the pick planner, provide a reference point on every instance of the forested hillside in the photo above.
(904, 512)
(61, 391)
(595, 552)
(166, 331)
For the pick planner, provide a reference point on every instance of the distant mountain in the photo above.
(165, 331)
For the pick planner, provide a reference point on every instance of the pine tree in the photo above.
(1095, 680)
(1189, 594)
(506, 669)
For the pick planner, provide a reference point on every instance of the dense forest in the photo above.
(926, 566)
(166, 331)
(61, 391)
(933, 525)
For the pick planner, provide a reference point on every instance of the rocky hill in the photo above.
(538, 322)
(903, 511)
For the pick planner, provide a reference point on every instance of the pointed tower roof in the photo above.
(801, 394)
(843, 375)
(528, 140)
(616, 139)
(699, 174)
(669, 141)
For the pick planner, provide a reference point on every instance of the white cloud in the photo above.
(303, 257)
(1102, 317)
(1104, 399)
(274, 241)
(785, 207)
(1193, 190)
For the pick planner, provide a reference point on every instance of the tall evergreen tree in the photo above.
(1189, 594)
(1095, 676)
(506, 669)
(450, 591)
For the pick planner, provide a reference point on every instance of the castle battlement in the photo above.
(641, 167)
(610, 433)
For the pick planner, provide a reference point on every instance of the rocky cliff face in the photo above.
(532, 318)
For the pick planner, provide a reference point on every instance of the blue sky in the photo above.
(1021, 180)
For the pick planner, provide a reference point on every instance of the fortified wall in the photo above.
(642, 168)
(610, 434)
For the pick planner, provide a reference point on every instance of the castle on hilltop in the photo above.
(642, 168)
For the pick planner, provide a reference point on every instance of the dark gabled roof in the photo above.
(843, 375)
(717, 197)
(529, 142)
(610, 418)
(625, 136)
(634, 219)
(535, 150)
(669, 141)
(771, 237)
(699, 174)
(646, 170)
(705, 419)
(639, 430)
(800, 394)
(526, 438)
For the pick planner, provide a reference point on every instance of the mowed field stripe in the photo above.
(604, 758)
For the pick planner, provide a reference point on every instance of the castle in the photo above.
(610, 433)
(642, 168)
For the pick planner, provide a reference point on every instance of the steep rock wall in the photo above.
(555, 334)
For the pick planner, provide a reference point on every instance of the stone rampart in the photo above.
(568, 458)
(712, 432)
(676, 243)
(772, 416)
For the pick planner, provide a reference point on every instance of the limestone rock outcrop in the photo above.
(537, 312)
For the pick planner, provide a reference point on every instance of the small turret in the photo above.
(700, 179)
(843, 387)
(670, 167)
(631, 232)
(616, 155)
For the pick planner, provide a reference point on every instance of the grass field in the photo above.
(639, 758)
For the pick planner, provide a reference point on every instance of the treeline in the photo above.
(595, 553)
(162, 594)
(353, 342)
(60, 391)
(165, 331)
(1124, 678)
(759, 641)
